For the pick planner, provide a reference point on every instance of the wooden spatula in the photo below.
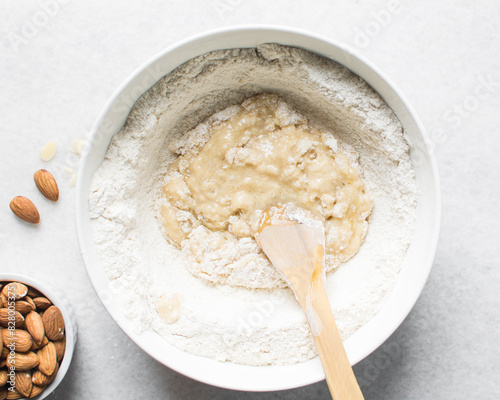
(295, 243)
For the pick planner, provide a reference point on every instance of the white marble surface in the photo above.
(60, 64)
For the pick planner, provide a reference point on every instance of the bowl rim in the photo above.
(70, 327)
(243, 383)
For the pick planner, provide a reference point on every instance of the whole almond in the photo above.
(13, 395)
(1, 342)
(33, 293)
(14, 291)
(31, 302)
(3, 393)
(36, 390)
(54, 323)
(5, 353)
(42, 303)
(23, 307)
(46, 183)
(60, 348)
(35, 327)
(3, 300)
(7, 316)
(24, 383)
(22, 361)
(48, 359)
(17, 340)
(3, 377)
(36, 346)
(25, 209)
(40, 379)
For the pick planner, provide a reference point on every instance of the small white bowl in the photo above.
(70, 326)
(418, 261)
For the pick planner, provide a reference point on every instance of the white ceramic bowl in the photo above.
(71, 330)
(418, 261)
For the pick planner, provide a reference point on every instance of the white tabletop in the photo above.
(60, 60)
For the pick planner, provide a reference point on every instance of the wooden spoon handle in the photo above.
(339, 375)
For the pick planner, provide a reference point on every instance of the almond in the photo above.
(1, 342)
(17, 340)
(35, 327)
(33, 293)
(36, 346)
(40, 379)
(42, 303)
(13, 394)
(3, 377)
(7, 316)
(5, 353)
(31, 302)
(36, 390)
(48, 359)
(3, 393)
(23, 307)
(54, 323)
(24, 383)
(22, 361)
(14, 291)
(2, 363)
(60, 348)
(46, 184)
(25, 209)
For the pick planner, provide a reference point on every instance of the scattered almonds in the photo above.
(48, 151)
(46, 183)
(23, 208)
(33, 345)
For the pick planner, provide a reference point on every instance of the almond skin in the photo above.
(35, 327)
(42, 303)
(48, 359)
(36, 346)
(18, 338)
(54, 323)
(23, 208)
(22, 361)
(46, 184)
(23, 307)
(36, 390)
(15, 290)
(24, 383)
(4, 318)
(3, 377)
(60, 348)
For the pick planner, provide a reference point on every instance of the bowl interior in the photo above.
(418, 260)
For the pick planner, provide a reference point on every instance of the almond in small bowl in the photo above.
(38, 334)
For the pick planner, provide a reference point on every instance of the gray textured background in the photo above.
(57, 69)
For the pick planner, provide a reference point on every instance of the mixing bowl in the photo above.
(418, 260)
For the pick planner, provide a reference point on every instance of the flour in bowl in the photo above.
(248, 325)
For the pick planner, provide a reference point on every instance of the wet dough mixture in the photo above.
(238, 164)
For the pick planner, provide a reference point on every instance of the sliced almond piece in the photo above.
(6, 316)
(36, 346)
(42, 303)
(22, 361)
(60, 348)
(48, 359)
(23, 208)
(54, 323)
(15, 290)
(36, 390)
(18, 339)
(24, 383)
(48, 151)
(46, 184)
(35, 327)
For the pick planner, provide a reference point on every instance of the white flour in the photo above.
(256, 327)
